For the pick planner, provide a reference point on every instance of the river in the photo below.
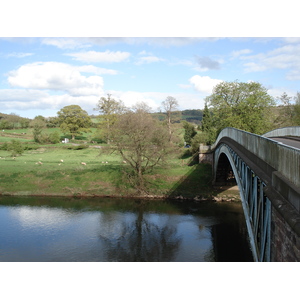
(109, 230)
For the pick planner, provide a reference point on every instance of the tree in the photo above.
(189, 132)
(170, 105)
(286, 113)
(74, 120)
(296, 110)
(15, 147)
(109, 108)
(207, 126)
(142, 142)
(37, 125)
(241, 105)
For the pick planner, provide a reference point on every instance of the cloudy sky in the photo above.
(42, 75)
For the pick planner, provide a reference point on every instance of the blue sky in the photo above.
(42, 75)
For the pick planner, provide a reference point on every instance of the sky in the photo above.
(39, 76)
(51, 58)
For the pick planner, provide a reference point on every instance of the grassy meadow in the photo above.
(57, 169)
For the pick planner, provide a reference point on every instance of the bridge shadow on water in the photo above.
(190, 195)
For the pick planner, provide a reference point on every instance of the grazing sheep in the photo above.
(83, 163)
(40, 163)
(124, 162)
(61, 160)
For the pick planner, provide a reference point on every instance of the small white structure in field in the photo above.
(65, 141)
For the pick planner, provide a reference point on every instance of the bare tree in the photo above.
(142, 142)
(170, 105)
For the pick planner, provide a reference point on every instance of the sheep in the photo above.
(61, 160)
(124, 162)
(83, 163)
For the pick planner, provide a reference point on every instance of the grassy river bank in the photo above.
(88, 171)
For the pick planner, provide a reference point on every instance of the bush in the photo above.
(15, 147)
(54, 137)
(78, 147)
(4, 146)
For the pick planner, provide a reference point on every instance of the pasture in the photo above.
(66, 170)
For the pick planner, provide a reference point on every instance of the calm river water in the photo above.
(107, 230)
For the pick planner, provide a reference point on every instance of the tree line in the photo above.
(144, 141)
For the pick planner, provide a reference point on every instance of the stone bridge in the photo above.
(266, 170)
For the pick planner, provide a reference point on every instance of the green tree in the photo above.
(245, 106)
(54, 137)
(189, 132)
(74, 120)
(296, 110)
(37, 129)
(110, 109)
(142, 142)
(207, 126)
(15, 147)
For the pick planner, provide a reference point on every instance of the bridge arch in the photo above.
(256, 205)
(268, 176)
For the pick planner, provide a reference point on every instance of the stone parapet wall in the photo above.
(285, 242)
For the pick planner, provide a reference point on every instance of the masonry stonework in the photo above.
(285, 243)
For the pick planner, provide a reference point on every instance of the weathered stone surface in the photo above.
(285, 242)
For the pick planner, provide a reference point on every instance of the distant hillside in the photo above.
(190, 115)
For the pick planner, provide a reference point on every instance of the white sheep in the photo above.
(83, 163)
(61, 160)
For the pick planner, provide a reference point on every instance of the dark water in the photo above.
(63, 230)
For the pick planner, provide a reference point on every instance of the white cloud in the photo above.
(284, 58)
(254, 67)
(19, 54)
(154, 99)
(204, 84)
(32, 100)
(184, 86)
(83, 42)
(67, 43)
(57, 77)
(239, 53)
(148, 59)
(94, 56)
(96, 70)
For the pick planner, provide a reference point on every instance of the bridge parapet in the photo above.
(284, 159)
(267, 172)
(285, 131)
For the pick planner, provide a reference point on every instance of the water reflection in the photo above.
(141, 239)
(120, 230)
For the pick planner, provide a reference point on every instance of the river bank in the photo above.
(59, 172)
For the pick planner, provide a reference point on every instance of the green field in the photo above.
(40, 171)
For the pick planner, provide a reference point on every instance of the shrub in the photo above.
(54, 137)
(15, 147)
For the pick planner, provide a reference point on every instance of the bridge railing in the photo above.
(285, 131)
(284, 159)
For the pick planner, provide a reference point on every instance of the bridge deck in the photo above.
(289, 141)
